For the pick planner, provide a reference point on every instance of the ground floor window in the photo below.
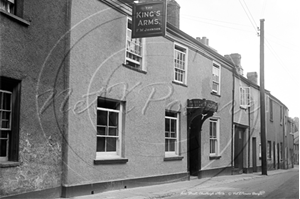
(214, 136)
(9, 119)
(109, 127)
(171, 133)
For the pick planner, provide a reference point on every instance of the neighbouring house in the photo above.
(30, 133)
(296, 148)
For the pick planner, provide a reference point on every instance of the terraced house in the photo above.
(86, 108)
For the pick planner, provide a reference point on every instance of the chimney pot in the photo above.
(252, 76)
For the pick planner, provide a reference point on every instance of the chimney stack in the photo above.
(204, 40)
(252, 76)
(173, 11)
(236, 59)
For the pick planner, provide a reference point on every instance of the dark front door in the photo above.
(238, 149)
(195, 148)
(254, 155)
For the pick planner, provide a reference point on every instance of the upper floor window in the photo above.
(109, 128)
(171, 133)
(134, 49)
(271, 109)
(245, 97)
(214, 136)
(180, 63)
(281, 115)
(216, 72)
(8, 6)
(9, 119)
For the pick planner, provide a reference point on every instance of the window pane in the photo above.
(102, 117)
(100, 144)
(5, 120)
(173, 125)
(167, 125)
(1, 96)
(214, 129)
(215, 86)
(6, 101)
(172, 145)
(3, 148)
(111, 144)
(101, 131)
(113, 131)
(166, 145)
(212, 146)
(113, 119)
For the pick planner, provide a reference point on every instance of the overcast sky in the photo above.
(231, 27)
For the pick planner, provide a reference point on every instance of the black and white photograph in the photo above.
(149, 99)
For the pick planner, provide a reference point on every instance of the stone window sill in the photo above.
(245, 107)
(215, 93)
(135, 69)
(15, 17)
(173, 158)
(111, 161)
(215, 157)
(180, 84)
(7, 164)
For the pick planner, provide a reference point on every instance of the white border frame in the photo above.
(176, 153)
(217, 119)
(220, 69)
(118, 153)
(142, 66)
(186, 62)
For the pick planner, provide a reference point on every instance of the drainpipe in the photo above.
(249, 136)
(232, 118)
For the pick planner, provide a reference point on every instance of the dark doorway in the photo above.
(198, 111)
(239, 149)
(195, 148)
(254, 155)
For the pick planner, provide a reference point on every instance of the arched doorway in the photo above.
(198, 111)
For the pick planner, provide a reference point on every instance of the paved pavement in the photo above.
(165, 190)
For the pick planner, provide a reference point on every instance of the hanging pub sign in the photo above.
(149, 19)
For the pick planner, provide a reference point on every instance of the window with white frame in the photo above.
(180, 63)
(281, 115)
(8, 6)
(244, 97)
(271, 109)
(267, 103)
(109, 128)
(5, 123)
(216, 78)
(171, 133)
(214, 132)
(134, 49)
(9, 119)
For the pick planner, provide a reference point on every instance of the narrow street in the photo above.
(283, 185)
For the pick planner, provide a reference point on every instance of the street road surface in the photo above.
(283, 185)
